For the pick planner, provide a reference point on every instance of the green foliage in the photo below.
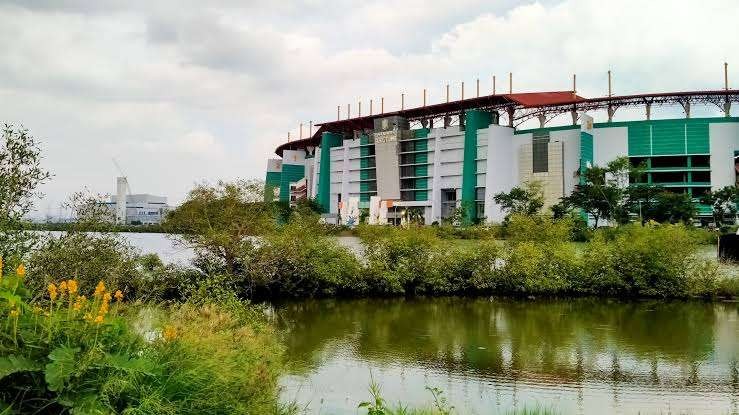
(723, 204)
(378, 406)
(601, 194)
(86, 257)
(20, 175)
(654, 261)
(522, 228)
(524, 200)
(298, 261)
(90, 356)
(220, 220)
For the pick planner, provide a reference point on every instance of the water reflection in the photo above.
(574, 354)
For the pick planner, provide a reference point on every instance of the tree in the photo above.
(601, 193)
(673, 207)
(219, 221)
(524, 200)
(723, 203)
(20, 175)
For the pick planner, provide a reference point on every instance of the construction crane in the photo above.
(120, 170)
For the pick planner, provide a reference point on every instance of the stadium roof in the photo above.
(519, 106)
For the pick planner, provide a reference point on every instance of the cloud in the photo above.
(181, 91)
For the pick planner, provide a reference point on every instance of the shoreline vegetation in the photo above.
(90, 325)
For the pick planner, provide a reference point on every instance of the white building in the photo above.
(430, 170)
(142, 209)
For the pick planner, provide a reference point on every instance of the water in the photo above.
(578, 356)
(156, 243)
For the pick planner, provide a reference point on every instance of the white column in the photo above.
(436, 180)
(502, 169)
(345, 175)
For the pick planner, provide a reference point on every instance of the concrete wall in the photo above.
(501, 168)
(609, 144)
(724, 140)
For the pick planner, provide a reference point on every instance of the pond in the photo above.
(493, 355)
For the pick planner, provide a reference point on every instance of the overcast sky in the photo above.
(181, 91)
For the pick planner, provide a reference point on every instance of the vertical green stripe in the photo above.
(586, 153)
(474, 120)
(290, 173)
(271, 182)
(323, 197)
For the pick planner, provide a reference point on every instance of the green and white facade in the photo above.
(431, 171)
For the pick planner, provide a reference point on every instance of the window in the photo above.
(540, 152)
(701, 161)
(480, 209)
(407, 171)
(407, 158)
(701, 176)
(480, 194)
(448, 202)
(669, 177)
(669, 161)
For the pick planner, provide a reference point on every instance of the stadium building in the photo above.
(427, 161)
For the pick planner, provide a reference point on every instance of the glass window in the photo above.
(540, 152)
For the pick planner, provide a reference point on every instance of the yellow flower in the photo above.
(119, 295)
(14, 312)
(21, 270)
(169, 333)
(36, 309)
(52, 291)
(72, 286)
(79, 303)
(87, 316)
(100, 289)
(99, 319)
(63, 288)
(107, 297)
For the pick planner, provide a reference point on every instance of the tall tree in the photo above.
(601, 194)
(20, 175)
(723, 203)
(221, 220)
(524, 200)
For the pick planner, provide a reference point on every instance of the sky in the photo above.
(185, 91)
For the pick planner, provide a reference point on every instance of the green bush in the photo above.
(86, 257)
(298, 262)
(653, 261)
(80, 355)
(399, 261)
(528, 228)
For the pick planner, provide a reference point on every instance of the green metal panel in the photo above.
(586, 153)
(697, 138)
(323, 197)
(421, 133)
(271, 182)
(475, 120)
(668, 139)
(290, 173)
(422, 183)
(422, 195)
(364, 197)
(639, 140)
(422, 157)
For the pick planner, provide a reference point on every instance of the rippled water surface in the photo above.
(578, 356)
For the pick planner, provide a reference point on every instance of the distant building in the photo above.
(142, 209)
